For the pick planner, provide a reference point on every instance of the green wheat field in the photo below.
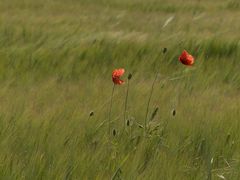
(56, 103)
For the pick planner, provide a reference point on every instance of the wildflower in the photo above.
(186, 58)
(116, 74)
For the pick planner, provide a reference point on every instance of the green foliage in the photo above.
(56, 60)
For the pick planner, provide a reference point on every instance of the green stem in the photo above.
(125, 107)
(110, 111)
(150, 97)
(149, 100)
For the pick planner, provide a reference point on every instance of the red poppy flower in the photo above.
(186, 58)
(116, 74)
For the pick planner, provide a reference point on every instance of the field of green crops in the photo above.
(56, 103)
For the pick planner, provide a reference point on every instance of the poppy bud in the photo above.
(91, 113)
(114, 132)
(128, 123)
(173, 112)
(129, 76)
(164, 50)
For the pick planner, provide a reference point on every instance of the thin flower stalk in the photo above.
(110, 111)
(126, 102)
(150, 96)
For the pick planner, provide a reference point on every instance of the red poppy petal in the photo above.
(186, 59)
(118, 72)
(117, 81)
(120, 82)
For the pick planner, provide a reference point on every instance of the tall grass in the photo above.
(56, 59)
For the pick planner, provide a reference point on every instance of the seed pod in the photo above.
(129, 76)
(91, 113)
(128, 123)
(114, 132)
(174, 112)
(164, 50)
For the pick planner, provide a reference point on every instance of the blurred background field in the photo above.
(56, 60)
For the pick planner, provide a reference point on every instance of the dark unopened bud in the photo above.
(128, 123)
(91, 113)
(164, 50)
(114, 132)
(129, 76)
(174, 112)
